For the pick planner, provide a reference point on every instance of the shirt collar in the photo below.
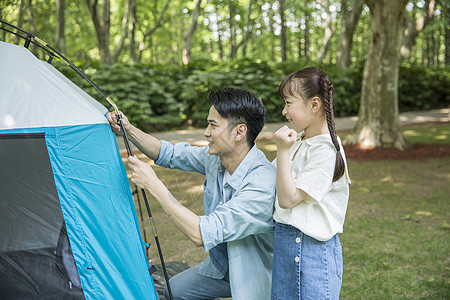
(236, 178)
(319, 139)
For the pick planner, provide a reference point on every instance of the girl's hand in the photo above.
(114, 122)
(285, 137)
(142, 174)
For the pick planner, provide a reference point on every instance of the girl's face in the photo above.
(298, 112)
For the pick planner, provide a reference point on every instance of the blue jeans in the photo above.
(305, 268)
(189, 285)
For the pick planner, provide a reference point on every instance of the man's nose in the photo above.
(206, 133)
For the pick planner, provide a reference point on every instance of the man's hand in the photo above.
(144, 177)
(142, 174)
(114, 122)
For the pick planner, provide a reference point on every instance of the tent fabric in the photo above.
(35, 89)
(91, 182)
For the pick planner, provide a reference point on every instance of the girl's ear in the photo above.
(241, 131)
(316, 104)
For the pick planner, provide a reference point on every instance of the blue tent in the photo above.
(68, 224)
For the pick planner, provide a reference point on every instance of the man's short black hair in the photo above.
(240, 106)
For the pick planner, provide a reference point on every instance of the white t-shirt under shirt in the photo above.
(322, 215)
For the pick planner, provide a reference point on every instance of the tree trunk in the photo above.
(350, 20)
(446, 18)
(271, 30)
(101, 28)
(328, 32)
(187, 38)
(30, 16)
(19, 20)
(378, 123)
(283, 32)
(433, 50)
(219, 36)
(414, 27)
(306, 51)
(1, 19)
(119, 47)
(132, 32)
(60, 39)
(248, 30)
(233, 46)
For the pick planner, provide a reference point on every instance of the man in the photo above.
(239, 191)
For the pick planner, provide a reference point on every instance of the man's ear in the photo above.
(241, 131)
(316, 104)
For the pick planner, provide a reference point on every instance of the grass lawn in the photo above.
(396, 238)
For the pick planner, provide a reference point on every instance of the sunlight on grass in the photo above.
(428, 134)
(386, 179)
(269, 147)
(196, 189)
(411, 133)
(424, 213)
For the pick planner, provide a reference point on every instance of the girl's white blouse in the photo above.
(323, 214)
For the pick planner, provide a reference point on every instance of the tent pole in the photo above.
(155, 234)
(142, 219)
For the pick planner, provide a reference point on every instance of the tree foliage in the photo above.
(241, 43)
(161, 97)
(225, 29)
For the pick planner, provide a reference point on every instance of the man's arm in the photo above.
(187, 221)
(148, 144)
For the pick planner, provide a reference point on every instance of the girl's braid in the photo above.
(327, 96)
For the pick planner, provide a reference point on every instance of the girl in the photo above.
(312, 192)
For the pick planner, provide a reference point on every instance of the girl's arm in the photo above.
(288, 194)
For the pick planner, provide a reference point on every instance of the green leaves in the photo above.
(161, 97)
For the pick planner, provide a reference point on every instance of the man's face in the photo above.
(219, 135)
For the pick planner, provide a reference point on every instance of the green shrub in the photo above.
(162, 97)
(423, 88)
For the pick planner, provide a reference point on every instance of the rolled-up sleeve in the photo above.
(182, 156)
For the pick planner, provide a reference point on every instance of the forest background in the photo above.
(159, 59)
